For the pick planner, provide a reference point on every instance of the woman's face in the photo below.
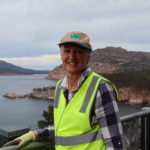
(74, 58)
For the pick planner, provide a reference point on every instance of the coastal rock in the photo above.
(46, 93)
(42, 93)
(134, 96)
(57, 73)
(13, 96)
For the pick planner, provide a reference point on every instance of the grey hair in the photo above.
(87, 51)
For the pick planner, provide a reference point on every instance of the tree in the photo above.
(48, 118)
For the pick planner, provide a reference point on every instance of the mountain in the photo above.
(110, 60)
(10, 69)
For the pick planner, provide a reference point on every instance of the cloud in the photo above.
(31, 28)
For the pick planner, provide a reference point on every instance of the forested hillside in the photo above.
(10, 69)
(135, 79)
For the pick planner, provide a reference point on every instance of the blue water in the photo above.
(22, 113)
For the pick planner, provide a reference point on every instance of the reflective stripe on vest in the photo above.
(57, 97)
(78, 139)
(57, 94)
(89, 93)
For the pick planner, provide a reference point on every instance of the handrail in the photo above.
(135, 115)
(144, 116)
(34, 145)
(143, 113)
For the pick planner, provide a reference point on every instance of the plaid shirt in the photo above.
(105, 113)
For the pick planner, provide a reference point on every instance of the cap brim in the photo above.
(77, 43)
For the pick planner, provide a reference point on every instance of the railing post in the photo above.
(145, 133)
(148, 132)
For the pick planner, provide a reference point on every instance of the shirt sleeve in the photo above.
(108, 117)
(46, 133)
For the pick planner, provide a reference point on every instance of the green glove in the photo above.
(22, 140)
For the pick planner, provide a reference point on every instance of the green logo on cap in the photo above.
(75, 36)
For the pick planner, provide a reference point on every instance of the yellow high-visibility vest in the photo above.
(73, 129)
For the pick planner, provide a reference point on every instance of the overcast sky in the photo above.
(31, 29)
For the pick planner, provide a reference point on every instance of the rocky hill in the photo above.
(111, 59)
(10, 69)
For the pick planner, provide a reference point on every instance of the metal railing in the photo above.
(37, 146)
(144, 127)
(143, 121)
(144, 117)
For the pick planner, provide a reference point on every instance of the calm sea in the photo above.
(22, 113)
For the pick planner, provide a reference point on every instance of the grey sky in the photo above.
(31, 29)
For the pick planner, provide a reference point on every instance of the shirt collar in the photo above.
(84, 75)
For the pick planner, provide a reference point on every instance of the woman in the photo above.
(86, 115)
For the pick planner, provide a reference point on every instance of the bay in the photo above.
(22, 113)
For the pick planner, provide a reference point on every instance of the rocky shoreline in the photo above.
(46, 93)
(127, 95)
